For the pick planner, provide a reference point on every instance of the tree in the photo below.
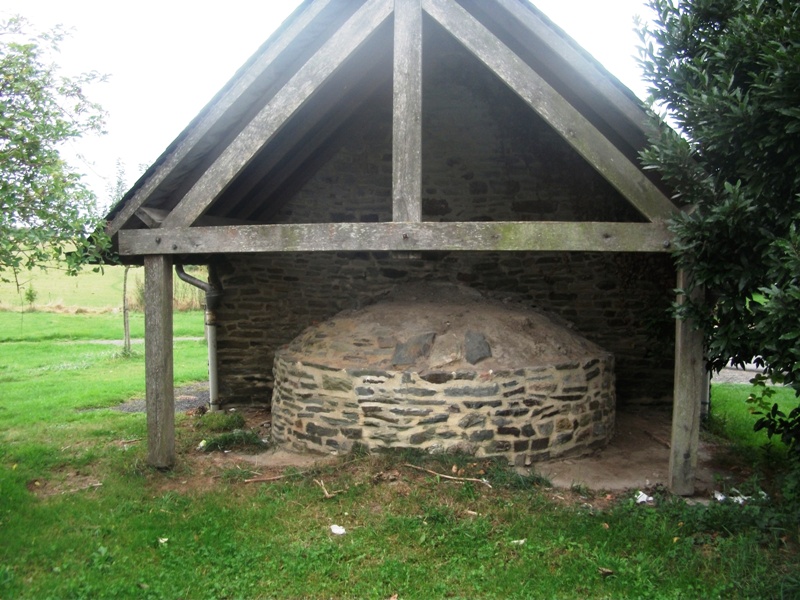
(727, 74)
(46, 212)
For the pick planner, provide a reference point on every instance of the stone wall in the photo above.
(619, 301)
(528, 415)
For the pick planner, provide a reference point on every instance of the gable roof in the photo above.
(315, 71)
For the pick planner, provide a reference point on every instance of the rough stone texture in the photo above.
(543, 390)
(486, 156)
(269, 300)
(395, 416)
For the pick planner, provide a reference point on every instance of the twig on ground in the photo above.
(85, 487)
(328, 494)
(661, 441)
(451, 478)
(261, 479)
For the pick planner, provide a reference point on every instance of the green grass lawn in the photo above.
(102, 290)
(82, 516)
(18, 326)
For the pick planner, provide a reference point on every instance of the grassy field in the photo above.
(88, 291)
(82, 516)
(41, 326)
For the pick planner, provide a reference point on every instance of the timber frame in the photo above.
(172, 214)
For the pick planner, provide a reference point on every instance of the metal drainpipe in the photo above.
(213, 299)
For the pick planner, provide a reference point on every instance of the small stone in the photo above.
(472, 420)
(417, 347)
(481, 436)
(422, 437)
(476, 347)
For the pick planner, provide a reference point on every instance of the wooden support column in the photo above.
(158, 361)
(407, 125)
(690, 387)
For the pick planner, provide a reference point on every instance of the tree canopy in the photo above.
(727, 75)
(46, 212)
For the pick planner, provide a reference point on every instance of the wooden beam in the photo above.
(407, 119)
(332, 237)
(306, 82)
(158, 361)
(154, 218)
(584, 137)
(691, 382)
(208, 119)
(602, 86)
(308, 135)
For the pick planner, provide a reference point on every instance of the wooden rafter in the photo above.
(311, 133)
(551, 106)
(331, 237)
(588, 71)
(204, 125)
(306, 82)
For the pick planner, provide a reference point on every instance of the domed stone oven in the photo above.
(443, 368)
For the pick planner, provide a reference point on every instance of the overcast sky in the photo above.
(167, 58)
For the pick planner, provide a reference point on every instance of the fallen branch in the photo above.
(328, 494)
(260, 479)
(661, 441)
(85, 487)
(450, 477)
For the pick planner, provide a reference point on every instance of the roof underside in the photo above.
(337, 67)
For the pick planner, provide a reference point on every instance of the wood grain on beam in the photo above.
(407, 119)
(220, 107)
(154, 217)
(160, 398)
(309, 134)
(690, 387)
(331, 237)
(278, 110)
(612, 164)
(578, 62)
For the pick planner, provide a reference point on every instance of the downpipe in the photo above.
(213, 300)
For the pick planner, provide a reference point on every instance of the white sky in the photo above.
(167, 58)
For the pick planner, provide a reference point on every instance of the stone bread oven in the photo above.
(444, 369)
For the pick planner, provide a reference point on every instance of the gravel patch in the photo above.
(187, 397)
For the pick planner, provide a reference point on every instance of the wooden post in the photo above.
(407, 125)
(690, 386)
(158, 361)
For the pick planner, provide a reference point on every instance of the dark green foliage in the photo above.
(727, 73)
(46, 211)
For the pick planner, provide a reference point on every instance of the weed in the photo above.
(31, 295)
(582, 490)
(235, 440)
(237, 474)
(220, 421)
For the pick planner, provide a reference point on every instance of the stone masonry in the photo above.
(527, 415)
(444, 368)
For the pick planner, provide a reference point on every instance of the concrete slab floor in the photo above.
(637, 458)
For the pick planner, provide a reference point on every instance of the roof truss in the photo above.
(180, 230)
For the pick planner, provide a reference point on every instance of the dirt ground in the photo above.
(637, 458)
